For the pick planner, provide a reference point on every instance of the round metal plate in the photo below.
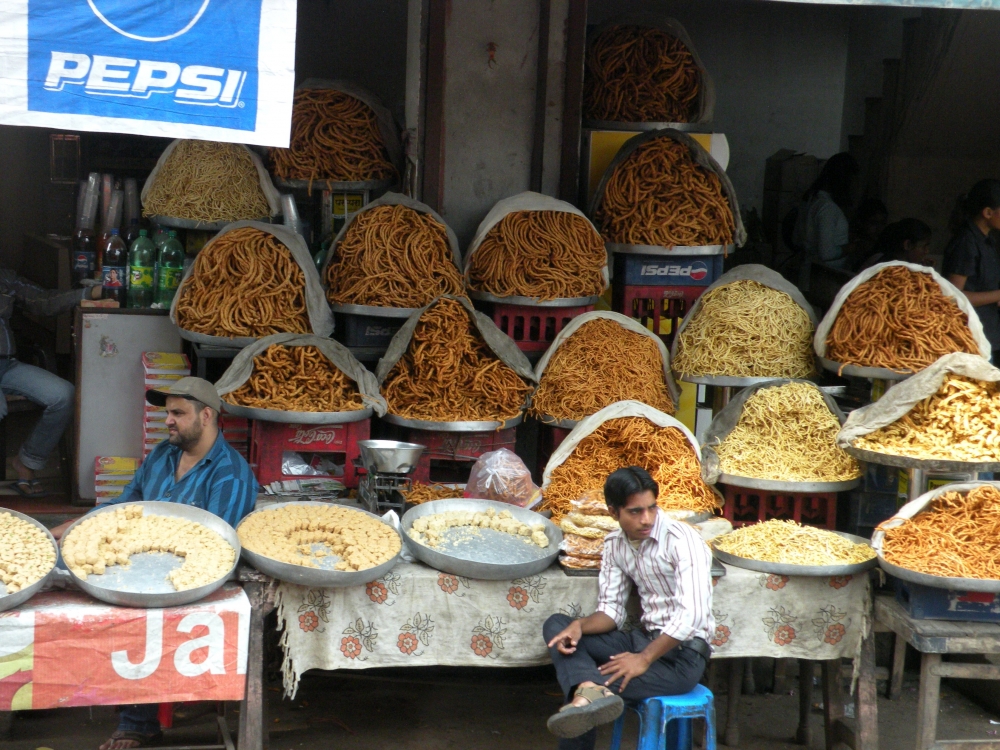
(485, 560)
(298, 417)
(220, 341)
(324, 576)
(566, 424)
(637, 127)
(375, 312)
(204, 226)
(373, 185)
(856, 371)
(907, 462)
(144, 582)
(534, 302)
(615, 247)
(798, 570)
(10, 601)
(419, 424)
(723, 381)
(984, 585)
(784, 486)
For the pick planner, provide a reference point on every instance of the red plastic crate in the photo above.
(549, 438)
(533, 328)
(449, 456)
(745, 506)
(653, 305)
(268, 440)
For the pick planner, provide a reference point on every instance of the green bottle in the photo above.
(141, 267)
(169, 268)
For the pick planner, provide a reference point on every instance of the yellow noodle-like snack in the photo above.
(393, 256)
(786, 433)
(425, 493)
(601, 363)
(207, 181)
(541, 254)
(790, 543)
(449, 374)
(955, 536)
(244, 283)
(748, 330)
(961, 422)
(659, 195)
(296, 378)
(630, 441)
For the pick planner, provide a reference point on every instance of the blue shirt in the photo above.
(220, 483)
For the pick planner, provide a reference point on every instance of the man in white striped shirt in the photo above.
(597, 663)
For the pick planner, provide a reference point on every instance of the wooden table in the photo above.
(933, 639)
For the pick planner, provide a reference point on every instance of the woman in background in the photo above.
(907, 239)
(971, 261)
(821, 228)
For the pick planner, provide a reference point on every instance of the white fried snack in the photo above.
(111, 538)
(26, 553)
(428, 530)
(286, 534)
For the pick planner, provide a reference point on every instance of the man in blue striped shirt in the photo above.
(195, 466)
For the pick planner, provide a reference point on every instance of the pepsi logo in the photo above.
(698, 270)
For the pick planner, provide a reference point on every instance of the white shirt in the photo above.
(822, 229)
(672, 571)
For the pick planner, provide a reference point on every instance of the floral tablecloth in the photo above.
(415, 615)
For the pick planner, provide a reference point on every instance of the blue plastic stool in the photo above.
(665, 721)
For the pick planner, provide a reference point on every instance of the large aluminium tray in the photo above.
(775, 485)
(10, 601)
(420, 424)
(927, 464)
(797, 570)
(144, 583)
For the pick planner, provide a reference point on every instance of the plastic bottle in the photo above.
(141, 267)
(114, 269)
(169, 267)
(84, 248)
(112, 221)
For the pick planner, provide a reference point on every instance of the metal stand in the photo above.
(721, 394)
(204, 352)
(917, 483)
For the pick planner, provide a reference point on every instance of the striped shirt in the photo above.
(672, 570)
(220, 483)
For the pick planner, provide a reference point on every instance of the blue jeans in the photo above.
(45, 389)
(140, 717)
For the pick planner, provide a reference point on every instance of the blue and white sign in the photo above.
(213, 69)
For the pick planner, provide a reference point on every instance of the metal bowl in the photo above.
(534, 301)
(375, 312)
(298, 417)
(390, 456)
(777, 485)
(927, 464)
(798, 570)
(10, 601)
(420, 424)
(324, 576)
(144, 583)
(857, 371)
(203, 226)
(485, 561)
(723, 381)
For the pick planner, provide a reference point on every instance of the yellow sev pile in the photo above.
(790, 543)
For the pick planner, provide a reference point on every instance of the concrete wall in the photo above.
(779, 71)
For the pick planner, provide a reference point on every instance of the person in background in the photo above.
(34, 383)
(908, 240)
(821, 228)
(597, 663)
(971, 262)
(870, 220)
(194, 466)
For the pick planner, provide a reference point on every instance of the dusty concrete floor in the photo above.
(468, 709)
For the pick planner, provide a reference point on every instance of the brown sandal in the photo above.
(572, 721)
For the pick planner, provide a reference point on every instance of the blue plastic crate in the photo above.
(663, 270)
(927, 603)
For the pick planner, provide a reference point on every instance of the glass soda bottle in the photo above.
(169, 267)
(114, 268)
(141, 266)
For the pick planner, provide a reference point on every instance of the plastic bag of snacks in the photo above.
(502, 476)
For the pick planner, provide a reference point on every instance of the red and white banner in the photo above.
(65, 649)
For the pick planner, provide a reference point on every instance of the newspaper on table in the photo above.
(947, 288)
(320, 316)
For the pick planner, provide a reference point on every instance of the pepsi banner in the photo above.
(221, 70)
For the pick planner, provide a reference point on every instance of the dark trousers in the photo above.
(141, 717)
(675, 673)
